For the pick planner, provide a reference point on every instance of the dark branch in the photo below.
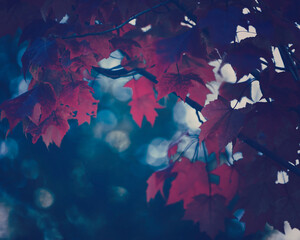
(121, 25)
(278, 68)
(288, 62)
(269, 154)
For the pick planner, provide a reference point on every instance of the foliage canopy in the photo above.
(168, 47)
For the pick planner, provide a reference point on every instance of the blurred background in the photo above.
(94, 185)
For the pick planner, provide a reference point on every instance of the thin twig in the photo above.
(119, 26)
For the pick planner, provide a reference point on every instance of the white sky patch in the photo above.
(186, 115)
(226, 74)
(246, 78)
(146, 28)
(258, 9)
(277, 58)
(243, 33)
(297, 25)
(133, 22)
(282, 177)
(246, 11)
(263, 66)
(113, 61)
(186, 25)
(189, 21)
(291, 233)
(64, 19)
(256, 93)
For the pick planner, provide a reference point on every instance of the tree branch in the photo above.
(119, 26)
(288, 62)
(269, 154)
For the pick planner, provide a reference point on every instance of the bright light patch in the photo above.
(189, 21)
(44, 198)
(64, 19)
(291, 233)
(4, 221)
(277, 58)
(133, 22)
(113, 61)
(158, 148)
(256, 93)
(120, 92)
(282, 177)
(185, 115)
(146, 28)
(263, 66)
(243, 33)
(118, 140)
(246, 11)
(186, 25)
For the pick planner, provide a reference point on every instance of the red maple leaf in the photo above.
(37, 104)
(143, 101)
(222, 126)
(198, 92)
(52, 130)
(176, 82)
(156, 182)
(209, 211)
(184, 75)
(41, 52)
(77, 96)
(192, 179)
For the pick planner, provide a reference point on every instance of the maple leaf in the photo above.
(76, 48)
(231, 91)
(220, 25)
(182, 77)
(143, 101)
(37, 104)
(52, 130)
(189, 42)
(36, 29)
(172, 150)
(209, 211)
(281, 87)
(198, 66)
(280, 136)
(222, 126)
(244, 57)
(41, 52)
(198, 92)
(156, 182)
(192, 179)
(178, 83)
(77, 96)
